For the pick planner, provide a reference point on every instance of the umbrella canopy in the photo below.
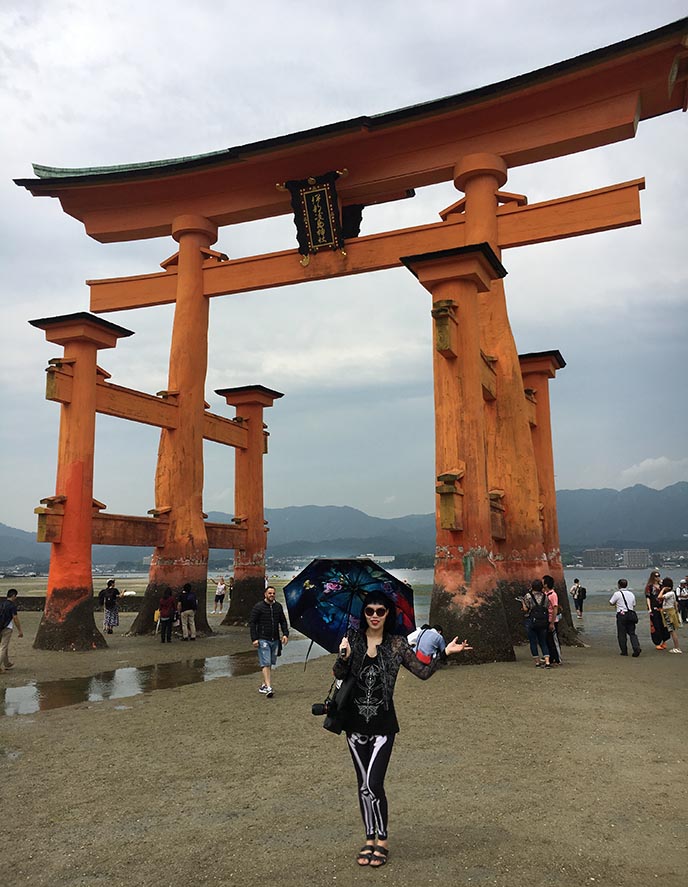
(327, 596)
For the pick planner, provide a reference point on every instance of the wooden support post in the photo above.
(537, 369)
(179, 475)
(517, 540)
(249, 558)
(463, 598)
(68, 622)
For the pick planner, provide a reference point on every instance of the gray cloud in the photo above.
(88, 85)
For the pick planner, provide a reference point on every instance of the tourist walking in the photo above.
(269, 633)
(187, 606)
(536, 607)
(108, 599)
(626, 618)
(667, 598)
(9, 621)
(578, 593)
(658, 630)
(370, 659)
(167, 607)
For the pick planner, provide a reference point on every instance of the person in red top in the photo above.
(167, 607)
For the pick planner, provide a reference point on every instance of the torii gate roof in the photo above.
(585, 102)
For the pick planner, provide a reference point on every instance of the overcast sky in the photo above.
(92, 84)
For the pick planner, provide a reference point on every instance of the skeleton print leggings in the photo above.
(371, 755)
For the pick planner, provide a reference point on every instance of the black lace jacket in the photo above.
(393, 652)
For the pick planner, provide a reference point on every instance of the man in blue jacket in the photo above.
(266, 622)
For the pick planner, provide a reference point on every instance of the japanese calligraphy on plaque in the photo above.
(316, 214)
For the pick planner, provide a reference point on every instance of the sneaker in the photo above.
(270, 693)
(676, 650)
(263, 688)
(636, 654)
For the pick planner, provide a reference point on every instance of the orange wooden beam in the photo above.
(224, 431)
(127, 529)
(615, 206)
(135, 406)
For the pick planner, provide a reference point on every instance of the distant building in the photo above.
(602, 558)
(636, 558)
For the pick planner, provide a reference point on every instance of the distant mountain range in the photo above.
(635, 517)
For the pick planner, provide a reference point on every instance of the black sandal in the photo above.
(365, 854)
(380, 855)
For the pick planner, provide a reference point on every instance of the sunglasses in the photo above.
(375, 611)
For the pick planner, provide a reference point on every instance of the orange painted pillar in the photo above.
(537, 369)
(68, 622)
(517, 542)
(249, 561)
(463, 599)
(179, 475)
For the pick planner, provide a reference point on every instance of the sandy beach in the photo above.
(502, 774)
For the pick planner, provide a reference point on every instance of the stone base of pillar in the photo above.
(246, 593)
(75, 631)
(483, 624)
(174, 580)
(509, 590)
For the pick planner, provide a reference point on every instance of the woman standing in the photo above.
(108, 598)
(667, 597)
(220, 592)
(372, 657)
(658, 631)
(167, 607)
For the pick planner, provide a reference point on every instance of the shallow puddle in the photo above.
(125, 682)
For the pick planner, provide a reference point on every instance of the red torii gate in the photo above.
(496, 512)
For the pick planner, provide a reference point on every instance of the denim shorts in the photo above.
(267, 653)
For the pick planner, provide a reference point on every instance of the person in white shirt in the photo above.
(626, 618)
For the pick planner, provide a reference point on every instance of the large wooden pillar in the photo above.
(537, 369)
(249, 561)
(464, 598)
(517, 541)
(68, 622)
(179, 475)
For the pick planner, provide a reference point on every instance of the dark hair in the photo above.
(622, 583)
(576, 579)
(12, 592)
(186, 586)
(667, 582)
(167, 591)
(536, 585)
(438, 628)
(378, 597)
(548, 581)
(110, 583)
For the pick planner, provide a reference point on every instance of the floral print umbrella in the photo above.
(326, 598)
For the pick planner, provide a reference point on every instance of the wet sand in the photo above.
(503, 774)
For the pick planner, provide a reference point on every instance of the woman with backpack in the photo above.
(536, 607)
